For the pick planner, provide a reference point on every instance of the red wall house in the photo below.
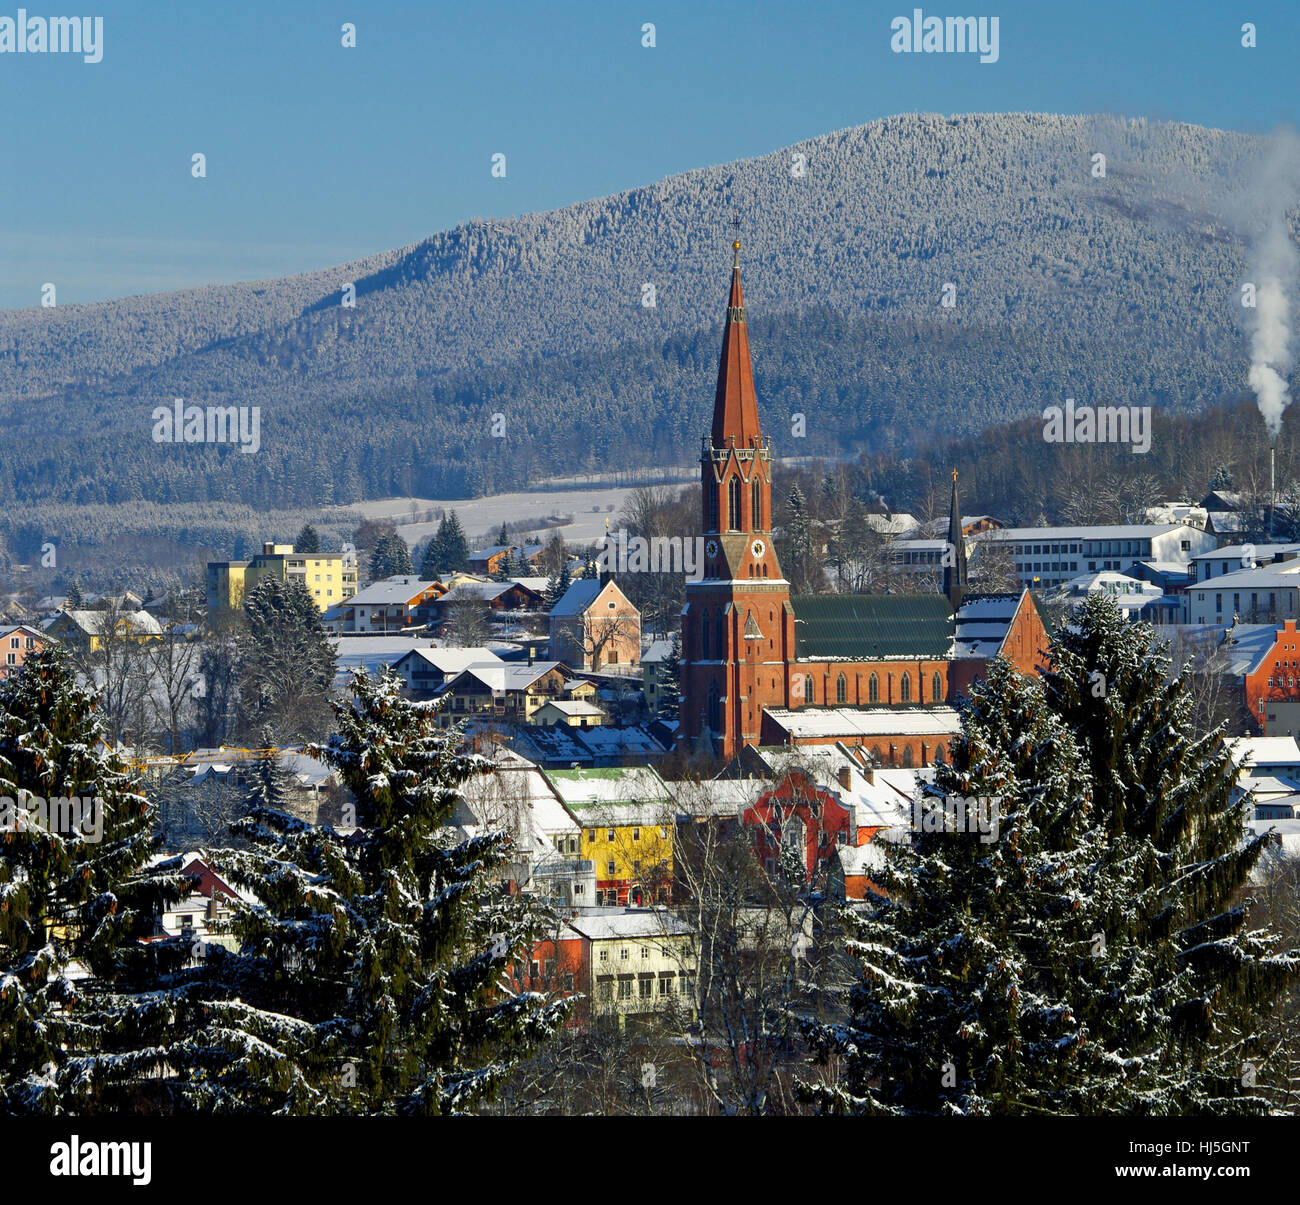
(1276, 676)
(819, 818)
(17, 643)
(556, 964)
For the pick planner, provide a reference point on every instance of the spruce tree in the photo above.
(271, 786)
(447, 550)
(391, 558)
(670, 682)
(307, 540)
(370, 978)
(963, 1006)
(74, 901)
(1183, 980)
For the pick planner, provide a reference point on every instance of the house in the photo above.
(1131, 594)
(1051, 556)
(18, 642)
(1229, 559)
(428, 670)
(509, 691)
(330, 577)
(573, 712)
(995, 625)
(1264, 757)
(652, 671)
(86, 629)
(388, 606)
(1267, 594)
(595, 627)
(627, 816)
(489, 560)
(494, 597)
(1273, 683)
(207, 905)
(635, 961)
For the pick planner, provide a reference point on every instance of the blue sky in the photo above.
(317, 154)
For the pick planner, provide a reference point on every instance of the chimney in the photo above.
(869, 774)
(532, 652)
(846, 777)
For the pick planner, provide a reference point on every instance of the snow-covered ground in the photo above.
(589, 506)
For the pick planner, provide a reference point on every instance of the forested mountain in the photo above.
(1120, 289)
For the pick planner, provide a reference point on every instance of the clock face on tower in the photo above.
(711, 549)
(758, 548)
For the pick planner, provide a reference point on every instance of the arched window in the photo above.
(756, 510)
(808, 690)
(938, 755)
(873, 689)
(925, 754)
(714, 714)
(905, 689)
(841, 690)
(733, 504)
(711, 519)
(704, 636)
(907, 758)
(936, 689)
(722, 636)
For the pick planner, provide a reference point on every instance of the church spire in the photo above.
(735, 408)
(954, 571)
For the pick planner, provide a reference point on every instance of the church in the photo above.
(762, 667)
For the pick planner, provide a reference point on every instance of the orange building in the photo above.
(749, 648)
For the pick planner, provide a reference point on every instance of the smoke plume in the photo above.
(1275, 268)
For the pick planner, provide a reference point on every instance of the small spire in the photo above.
(735, 256)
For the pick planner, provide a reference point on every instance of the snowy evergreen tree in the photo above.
(370, 980)
(76, 899)
(271, 787)
(447, 551)
(391, 558)
(285, 662)
(963, 1006)
(307, 540)
(670, 682)
(1182, 980)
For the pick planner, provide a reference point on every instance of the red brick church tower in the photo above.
(738, 625)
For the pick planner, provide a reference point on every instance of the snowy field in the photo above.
(589, 506)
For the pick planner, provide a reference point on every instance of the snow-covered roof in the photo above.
(612, 926)
(860, 859)
(827, 722)
(577, 598)
(390, 591)
(1113, 531)
(452, 661)
(574, 707)
(625, 783)
(636, 741)
(981, 623)
(505, 676)
(368, 653)
(657, 650)
(1263, 751)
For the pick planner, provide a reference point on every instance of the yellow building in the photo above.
(328, 576)
(627, 818)
(87, 629)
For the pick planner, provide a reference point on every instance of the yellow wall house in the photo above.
(627, 818)
(86, 629)
(328, 576)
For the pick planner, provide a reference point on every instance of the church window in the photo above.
(841, 690)
(757, 512)
(733, 504)
(714, 714)
(808, 690)
(711, 520)
(907, 757)
(722, 636)
(873, 689)
(704, 636)
(936, 689)
(905, 688)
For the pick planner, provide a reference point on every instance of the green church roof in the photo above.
(871, 626)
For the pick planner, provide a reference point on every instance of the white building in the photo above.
(1269, 594)
(1051, 556)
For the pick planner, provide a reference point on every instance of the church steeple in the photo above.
(954, 562)
(735, 408)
